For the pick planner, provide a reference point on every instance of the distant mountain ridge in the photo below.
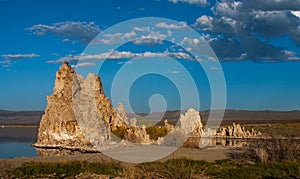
(20, 117)
(238, 116)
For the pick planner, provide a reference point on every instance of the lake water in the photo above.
(17, 142)
(17, 149)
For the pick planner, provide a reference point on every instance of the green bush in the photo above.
(156, 131)
(120, 132)
(153, 131)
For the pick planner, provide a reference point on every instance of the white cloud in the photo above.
(6, 63)
(83, 65)
(117, 55)
(190, 42)
(197, 2)
(146, 37)
(180, 25)
(9, 58)
(204, 22)
(154, 37)
(82, 31)
(142, 29)
(121, 63)
(240, 27)
(19, 56)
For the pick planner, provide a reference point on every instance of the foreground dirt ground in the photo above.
(207, 154)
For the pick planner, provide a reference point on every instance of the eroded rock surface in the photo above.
(122, 113)
(190, 124)
(236, 131)
(77, 108)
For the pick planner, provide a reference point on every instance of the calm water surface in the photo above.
(16, 149)
(17, 142)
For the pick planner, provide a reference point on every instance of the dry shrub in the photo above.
(274, 150)
(192, 142)
(176, 168)
(262, 154)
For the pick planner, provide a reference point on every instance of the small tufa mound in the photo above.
(236, 131)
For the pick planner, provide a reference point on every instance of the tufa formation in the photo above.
(72, 98)
(80, 117)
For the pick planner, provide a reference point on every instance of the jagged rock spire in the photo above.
(59, 126)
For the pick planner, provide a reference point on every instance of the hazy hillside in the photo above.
(20, 117)
(239, 116)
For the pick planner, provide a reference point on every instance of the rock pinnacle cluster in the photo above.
(60, 126)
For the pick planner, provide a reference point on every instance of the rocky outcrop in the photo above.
(138, 135)
(122, 113)
(190, 125)
(236, 131)
(169, 127)
(191, 122)
(133, 122)
(77, 108)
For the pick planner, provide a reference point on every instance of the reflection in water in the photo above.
(18, 134)
(17, 141)
(192, 142)
(231, 142)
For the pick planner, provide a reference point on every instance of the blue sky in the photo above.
(256, 42)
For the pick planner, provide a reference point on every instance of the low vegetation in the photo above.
(274, 150)
(277, 129)
(269, 158)
(175, 168)
(156, 131)
(66, 169)
(153, 131)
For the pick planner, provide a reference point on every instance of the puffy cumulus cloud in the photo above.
(193, 44)
(154, 37)
(116, 38)
(204, 22)
(141, 35)
(138, 36)
(197, 2)
(244, 27)
(82, 31)
(270, 5)
(19, 56)
(117, 55)
(228, 49)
